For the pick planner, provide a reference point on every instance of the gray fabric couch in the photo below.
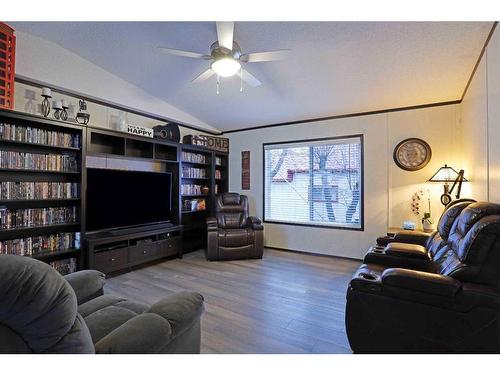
(43, 312)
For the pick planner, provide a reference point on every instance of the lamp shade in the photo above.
(445, 174)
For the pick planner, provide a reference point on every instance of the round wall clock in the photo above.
(412, 154)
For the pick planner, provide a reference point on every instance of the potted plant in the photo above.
(416, 207)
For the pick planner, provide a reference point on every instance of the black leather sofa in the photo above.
(437, 293)
(233, 234)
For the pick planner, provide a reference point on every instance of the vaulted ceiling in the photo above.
(335, 67)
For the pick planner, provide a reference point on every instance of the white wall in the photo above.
(40, 60)
(388, 189)
(480, 118)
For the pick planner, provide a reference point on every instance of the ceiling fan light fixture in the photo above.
(226, 67)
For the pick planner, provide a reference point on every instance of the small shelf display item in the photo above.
(194, 205)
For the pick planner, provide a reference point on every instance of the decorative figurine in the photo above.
(47, 94)
(57, 105)
(64, 113)
(83, 117)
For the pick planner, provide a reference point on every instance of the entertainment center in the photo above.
(84, 197)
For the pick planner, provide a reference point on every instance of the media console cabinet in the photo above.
(108, 252)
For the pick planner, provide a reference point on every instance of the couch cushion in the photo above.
(232, 210)
(106, 320)
(109, 300)
(448, 218)
(235, 237)
(182, 310)
(38, 304)
(105, 313)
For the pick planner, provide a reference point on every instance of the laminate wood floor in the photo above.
(285, 303)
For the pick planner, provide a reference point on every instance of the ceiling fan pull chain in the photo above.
(241, 79)
(218, 84)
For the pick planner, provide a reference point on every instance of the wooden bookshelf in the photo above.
(194, 221)
(11, 141)
(105, 148)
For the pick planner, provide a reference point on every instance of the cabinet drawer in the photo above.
(168, 247)
(142, 252)
(112, 260)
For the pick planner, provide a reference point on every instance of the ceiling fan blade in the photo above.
(248, 78)
(178, 52)
(225, 32)
(204, 76)
(266, 56)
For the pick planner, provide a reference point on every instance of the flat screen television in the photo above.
(117, 198)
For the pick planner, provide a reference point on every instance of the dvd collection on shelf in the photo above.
(20, 190)
(192, 189)
(193, 205)
(33, 217)
(28, 134)
(64, 266)
(44, 244)
(40, 162)
(189, 172)
(191, 157)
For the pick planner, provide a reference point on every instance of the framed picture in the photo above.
(245, 170)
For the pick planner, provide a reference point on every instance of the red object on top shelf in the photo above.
(7, 66)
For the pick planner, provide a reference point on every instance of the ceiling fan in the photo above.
(226, 57)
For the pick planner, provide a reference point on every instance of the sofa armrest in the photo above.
(87, 284)
(255, 223)
(417, 238)
(212, 224)
(418, 281)
(143, 334)
(181, 310)
(409, 250)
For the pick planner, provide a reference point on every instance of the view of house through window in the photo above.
(316, 182)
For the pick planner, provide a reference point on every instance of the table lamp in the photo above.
(448, 175)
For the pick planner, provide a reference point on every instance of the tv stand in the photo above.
(118, 250)
(139, 228)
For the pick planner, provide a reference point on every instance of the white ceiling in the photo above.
(335, 67)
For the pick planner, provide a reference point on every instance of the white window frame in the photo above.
(309, 143)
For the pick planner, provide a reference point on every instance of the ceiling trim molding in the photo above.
(479, 59)
(356, 114)
(32, 82)
(458, 101)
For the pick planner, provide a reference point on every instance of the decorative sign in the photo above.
(208, 141)
(245, 170)
(140, 130)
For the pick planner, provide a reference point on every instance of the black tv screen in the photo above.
(117, 198)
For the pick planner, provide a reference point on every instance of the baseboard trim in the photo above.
(311, 253)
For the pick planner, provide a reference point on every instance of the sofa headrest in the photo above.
(232, 210)
(35, 301)
(231, 199)
(449, 215)
(475, 232)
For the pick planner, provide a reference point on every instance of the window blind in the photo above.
(314, 183)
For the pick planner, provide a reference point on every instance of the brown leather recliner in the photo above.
(442, 296)
(232, 234)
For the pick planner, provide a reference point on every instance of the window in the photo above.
(317, 182)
